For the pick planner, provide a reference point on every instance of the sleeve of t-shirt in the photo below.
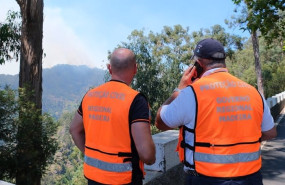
(267, 119)
(79, 110)
(139, 110)
(181, 111)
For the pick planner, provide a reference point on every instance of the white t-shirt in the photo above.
(182, 111)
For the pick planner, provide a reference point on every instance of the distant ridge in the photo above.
(63, 86)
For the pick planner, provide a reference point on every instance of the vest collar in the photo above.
(215, 70)
(112, 80)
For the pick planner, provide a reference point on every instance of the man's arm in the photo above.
(268, 129)
(77, 132)
(143, 140)
(270, 134)
(159, 122)
(184, 82)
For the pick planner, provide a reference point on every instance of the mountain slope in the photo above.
(63, 86)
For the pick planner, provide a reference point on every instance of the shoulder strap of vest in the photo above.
(183, 144)
(186, 163)
(189, 165)
(196, 114)
(188, 129)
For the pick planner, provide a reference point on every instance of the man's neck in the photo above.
(115, 78)
(214, 70)
(216, 65)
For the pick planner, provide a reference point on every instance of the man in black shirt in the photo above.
(112, 127)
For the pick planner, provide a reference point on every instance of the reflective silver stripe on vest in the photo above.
(227, 159)
(112, 167)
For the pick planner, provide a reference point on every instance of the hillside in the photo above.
(63, 86)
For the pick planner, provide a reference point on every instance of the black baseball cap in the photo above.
(210, 49)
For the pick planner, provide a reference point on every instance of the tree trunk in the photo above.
(31, 47)
(257, 62)
(29, 147)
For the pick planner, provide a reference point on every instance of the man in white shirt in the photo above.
(221, 119)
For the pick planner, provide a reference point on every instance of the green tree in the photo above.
(10, 37)
(231, 42)
(242, 66)
(263, 16)
(31, 157)
(275, 74)
(34, 145)
(162, 57)
(8, 130)
(272, 67)
(39, 138)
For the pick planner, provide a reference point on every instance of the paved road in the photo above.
(273, 156)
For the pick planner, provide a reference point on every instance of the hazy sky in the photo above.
(81, 32)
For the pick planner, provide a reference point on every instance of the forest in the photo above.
(44, 141)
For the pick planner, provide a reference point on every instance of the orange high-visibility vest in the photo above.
(227, 129)
(108, 155)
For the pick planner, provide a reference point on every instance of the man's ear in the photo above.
(109, 68)
(202, 64)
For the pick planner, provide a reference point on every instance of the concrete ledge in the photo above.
(167, 167)
(276, 103)
(271, 102)
(276, 99)
(276, 109)
(166, 156)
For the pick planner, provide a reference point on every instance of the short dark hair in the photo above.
(122, 62)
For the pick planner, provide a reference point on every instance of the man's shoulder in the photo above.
(140, 97)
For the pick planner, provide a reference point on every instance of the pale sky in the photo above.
(81, 32)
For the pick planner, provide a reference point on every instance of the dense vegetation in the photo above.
(39, 137)
(67, 167)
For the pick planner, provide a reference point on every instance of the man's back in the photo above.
(107, 132)
(228, 126)
(220, 133)
(111, 127)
